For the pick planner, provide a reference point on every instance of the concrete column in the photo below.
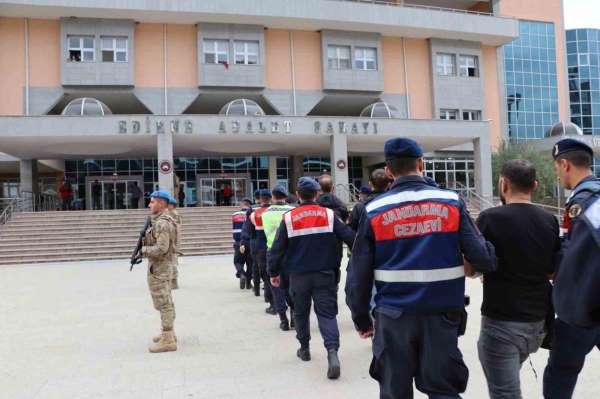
(482, 153)
(339, 152)
(164, 142)
(28, 179)
(296, 170)
(272, 171)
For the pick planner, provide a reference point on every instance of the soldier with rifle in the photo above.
(159, 246)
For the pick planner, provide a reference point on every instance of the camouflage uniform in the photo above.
(160, 249)
(177, 218)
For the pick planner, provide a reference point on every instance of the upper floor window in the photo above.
(81, 48)
(365, 58)
(468, 66)
(584, 59)
(114, 49)
(445, 64)
(216, 51)
(448, 114)
(471, 115)
(246, 52)
(338, 57)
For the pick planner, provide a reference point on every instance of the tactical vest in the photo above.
(271, 219)
(237, 221)
(418, 263)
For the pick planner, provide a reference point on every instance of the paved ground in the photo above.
(80, 330)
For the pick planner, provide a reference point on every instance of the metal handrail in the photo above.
(423, 7)
(350, 189)
(8, 210)
(470, 194)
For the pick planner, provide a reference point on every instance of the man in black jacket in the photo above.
(379, 183)
(328, 199)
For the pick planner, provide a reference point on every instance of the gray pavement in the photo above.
(81, 330)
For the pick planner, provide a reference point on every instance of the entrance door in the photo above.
(120, 194)
(222, 192)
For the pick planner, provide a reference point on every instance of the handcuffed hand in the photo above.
(242, 249)
(366, 334)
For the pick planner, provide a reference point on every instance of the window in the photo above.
(471, 115)
(216, 52)
(365, 58)
(468, 66)
(584, 59)
(246, 52)
(448, 114)
(81, 48)
(338, 57)
(114, 49)
(445, 64)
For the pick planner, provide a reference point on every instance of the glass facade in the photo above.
(531, 81)
(453, 173)
(583, 60)
(255, 169)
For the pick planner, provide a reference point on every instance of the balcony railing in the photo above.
(422, 7)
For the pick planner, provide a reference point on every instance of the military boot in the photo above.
(242, 282)
(174, 284)
(284, 324)
(256, 289)
(271, 310)
(303, 353)
(248, 283)
(333, 370)
(166, 343)
(292, 322)
(157, 338)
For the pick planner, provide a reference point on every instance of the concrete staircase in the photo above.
(92, 235)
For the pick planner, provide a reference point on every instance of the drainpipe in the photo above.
(165, 54)
(406, 79)
(295, 108)
(26, 66)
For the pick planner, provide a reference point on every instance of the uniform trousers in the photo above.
(320, 288)
(419, 348)
(570, 346)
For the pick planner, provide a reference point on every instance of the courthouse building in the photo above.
(249, 93)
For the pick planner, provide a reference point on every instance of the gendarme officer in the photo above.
(410, 244)
(161, 250)
(577, 281)
(306, 248)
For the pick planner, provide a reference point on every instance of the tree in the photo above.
(542, 161)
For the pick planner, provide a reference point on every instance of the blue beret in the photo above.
(365, 190)
(568, 145)
(402, 148)
(162, 194)
(256, 193)
(173, 201)
(247, 200)
(265, 192)
(308, 185)
(279, 189)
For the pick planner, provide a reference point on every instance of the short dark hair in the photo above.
(579, 159)
(326, 183)
(306, 195)
(278, 196)
(402, 166)
(379, 179)
(520, 173)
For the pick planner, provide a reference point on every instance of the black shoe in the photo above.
(271, 310)
(333, 370)
(303, 354)
(242, 282)
(248, 284)
(285, 324)
(292, 322)
(256, 289)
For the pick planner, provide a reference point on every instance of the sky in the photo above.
(582, 14)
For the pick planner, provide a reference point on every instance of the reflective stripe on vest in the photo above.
(310, 219)
(420, 276)
(256, 218)
(410, 196)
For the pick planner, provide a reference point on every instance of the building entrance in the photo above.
(125, 192)
(222, 191)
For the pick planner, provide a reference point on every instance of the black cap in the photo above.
(568, 145)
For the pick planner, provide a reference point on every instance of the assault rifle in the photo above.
(136, 257)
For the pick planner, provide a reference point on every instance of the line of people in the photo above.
(412, 245)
